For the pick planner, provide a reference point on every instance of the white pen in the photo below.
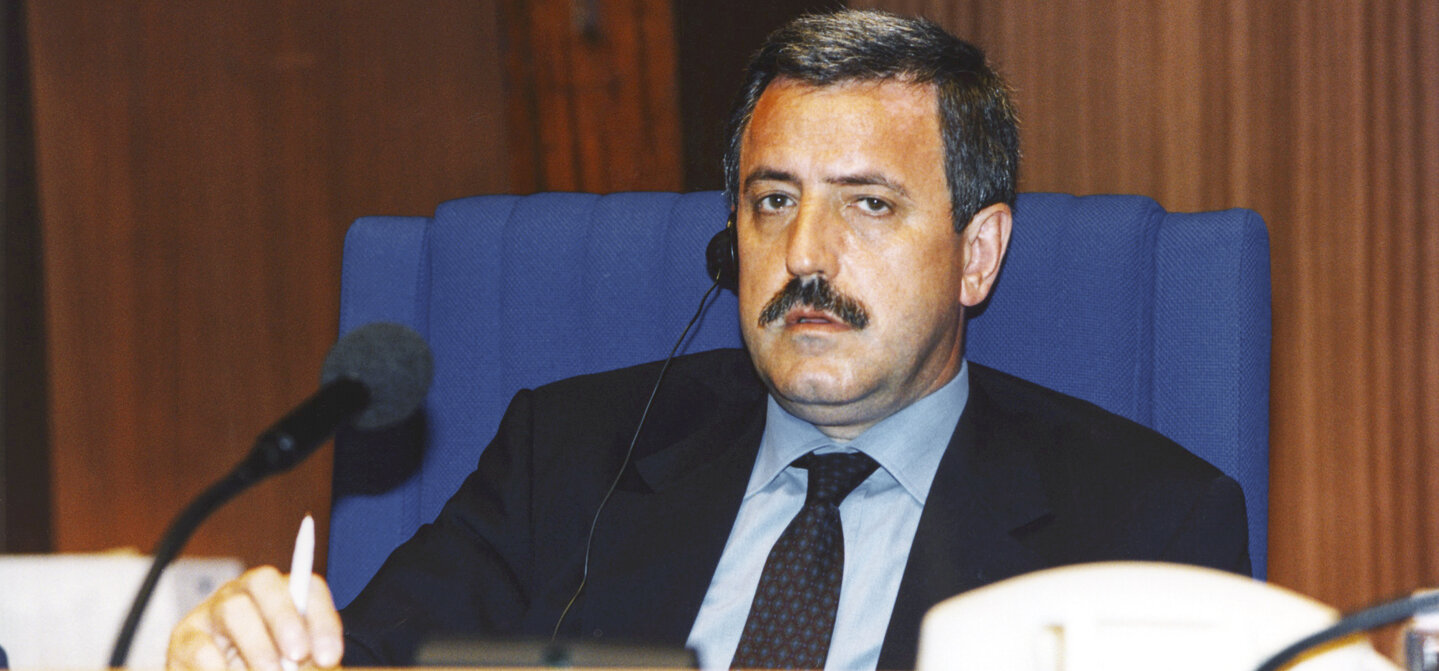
(301, 566)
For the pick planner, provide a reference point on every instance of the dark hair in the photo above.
(977, 122)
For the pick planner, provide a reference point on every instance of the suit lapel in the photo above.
(680, 505)
(986, 489)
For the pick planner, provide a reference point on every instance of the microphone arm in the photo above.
(170, 545)
(287, 443)
(293, 438)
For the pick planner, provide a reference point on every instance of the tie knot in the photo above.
(833, 476)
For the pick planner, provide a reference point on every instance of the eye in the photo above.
(872, 205)
(773, 202)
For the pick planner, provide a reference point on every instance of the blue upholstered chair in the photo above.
(1160, 317)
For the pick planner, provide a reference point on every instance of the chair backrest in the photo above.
(1157, 316)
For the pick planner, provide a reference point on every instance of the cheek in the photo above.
(921, 290)
(750, 304)
(757, 283)
(938, 269)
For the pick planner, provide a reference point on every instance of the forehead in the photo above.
(888, 126)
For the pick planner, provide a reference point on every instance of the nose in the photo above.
(811, 244)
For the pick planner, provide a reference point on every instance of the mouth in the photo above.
(812, 317)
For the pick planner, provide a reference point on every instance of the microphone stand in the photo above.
(278, 449)
(170, 545)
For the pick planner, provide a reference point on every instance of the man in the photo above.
(870, 173)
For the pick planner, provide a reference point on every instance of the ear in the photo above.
(986, 239)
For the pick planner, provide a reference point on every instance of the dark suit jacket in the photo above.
(1031, 479)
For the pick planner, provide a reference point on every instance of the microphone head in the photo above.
(392, 362)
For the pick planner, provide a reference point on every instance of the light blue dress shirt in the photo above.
(879, 519)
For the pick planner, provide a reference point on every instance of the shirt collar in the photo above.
(908, 444)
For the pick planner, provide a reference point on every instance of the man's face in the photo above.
(844, 186)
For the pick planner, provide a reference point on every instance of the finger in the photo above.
(203, 655)
(235, 615)
(327, 636)
(270, 591)
(208, 657)
(232, 655)
(193, 648)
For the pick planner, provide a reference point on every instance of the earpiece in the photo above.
(722, 258)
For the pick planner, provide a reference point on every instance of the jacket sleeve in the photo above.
(1215, 533)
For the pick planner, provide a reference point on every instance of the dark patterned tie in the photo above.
(792, 616)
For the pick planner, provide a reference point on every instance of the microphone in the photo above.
(375, 376)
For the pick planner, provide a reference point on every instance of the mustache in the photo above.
(818, 293)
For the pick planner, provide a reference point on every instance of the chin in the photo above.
(811, 389)
(806, 370)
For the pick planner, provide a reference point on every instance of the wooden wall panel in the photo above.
(715, 41)
(591, 95)
(1323, 117)
(199, 163)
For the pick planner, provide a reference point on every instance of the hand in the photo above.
(251, 622)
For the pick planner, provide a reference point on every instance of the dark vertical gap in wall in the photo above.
(715, 39)
(524, 141)
(24, 445)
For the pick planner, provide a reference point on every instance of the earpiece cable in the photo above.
(629, 453)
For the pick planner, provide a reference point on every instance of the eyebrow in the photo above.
(861, 179)
(869, 179)
(769, 175)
